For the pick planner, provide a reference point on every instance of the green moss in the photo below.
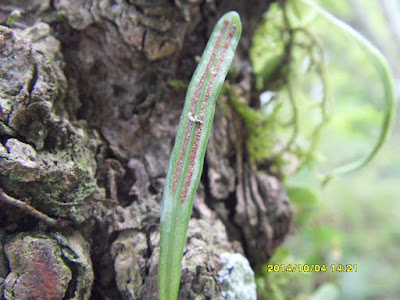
(268, 53)
(260, 127)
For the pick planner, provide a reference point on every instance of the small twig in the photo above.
(31, 210)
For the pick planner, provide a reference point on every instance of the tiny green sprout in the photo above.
(63, 19)
(187, 157)
(13, 15)
(178, 85)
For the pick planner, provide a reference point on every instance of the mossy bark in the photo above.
(87, 122)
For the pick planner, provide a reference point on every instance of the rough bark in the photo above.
(87, 123)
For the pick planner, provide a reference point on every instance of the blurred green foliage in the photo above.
(288, 63)
(354, 219)
(297, 61)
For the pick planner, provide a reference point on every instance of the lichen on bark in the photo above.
(41, 266)
(44, 157)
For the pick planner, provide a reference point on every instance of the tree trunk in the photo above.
(88, 118)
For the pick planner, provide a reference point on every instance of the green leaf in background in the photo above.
(305, 202)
